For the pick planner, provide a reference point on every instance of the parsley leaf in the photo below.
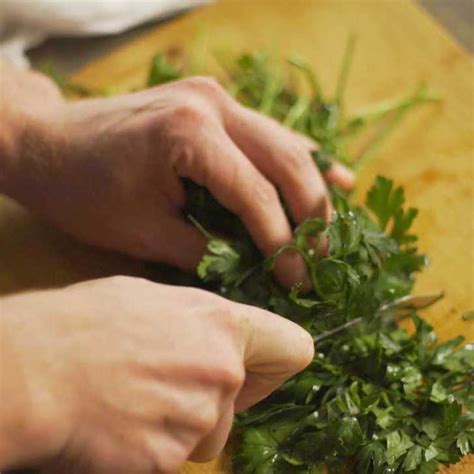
(375, 396)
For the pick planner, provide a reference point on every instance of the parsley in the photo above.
(161, 71)
(386, 400)
(375, 396)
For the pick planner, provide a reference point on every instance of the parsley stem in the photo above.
(345, 69)
(310, 75)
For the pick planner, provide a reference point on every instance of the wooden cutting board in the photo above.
(431, 154)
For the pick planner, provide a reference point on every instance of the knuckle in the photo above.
(225, 310)
(298, 160)
(205, 419)
(305, 141)
(231, 377)
(227, 373)
(226, 316)
(189, 114)
(219, 318)
(264, 193)
(169, 460)
(206, 84)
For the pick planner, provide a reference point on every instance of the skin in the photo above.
(118, 375)
(98, 382)
(108, 171)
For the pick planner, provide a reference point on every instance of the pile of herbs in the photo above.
(376, 397)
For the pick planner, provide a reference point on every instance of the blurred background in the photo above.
(70, 54)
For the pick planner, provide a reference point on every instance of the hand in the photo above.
(124, 375)
(108, 171)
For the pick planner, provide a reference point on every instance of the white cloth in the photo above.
(26, 23)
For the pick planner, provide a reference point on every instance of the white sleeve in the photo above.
(25, 23)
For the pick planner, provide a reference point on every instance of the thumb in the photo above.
(275, 349)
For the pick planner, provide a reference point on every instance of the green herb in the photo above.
(375, 396)
(161, 71)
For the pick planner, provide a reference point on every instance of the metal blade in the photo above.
(412, 302)
(398, 307)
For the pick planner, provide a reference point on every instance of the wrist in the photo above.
(29, 434)
(29, 106)
(9, 132)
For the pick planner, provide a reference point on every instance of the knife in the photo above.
(399, 307)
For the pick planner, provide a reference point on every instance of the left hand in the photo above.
(108, 170)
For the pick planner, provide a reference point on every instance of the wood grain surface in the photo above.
(431, 154)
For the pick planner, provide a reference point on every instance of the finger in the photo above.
(337, 174)
(340, 175)
(212, 445)
(284, 158)
(174, 242)
(219, 165)
(274, 350)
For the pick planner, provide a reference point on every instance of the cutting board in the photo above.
(431, 153)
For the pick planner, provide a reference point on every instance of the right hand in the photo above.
(125, 375)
